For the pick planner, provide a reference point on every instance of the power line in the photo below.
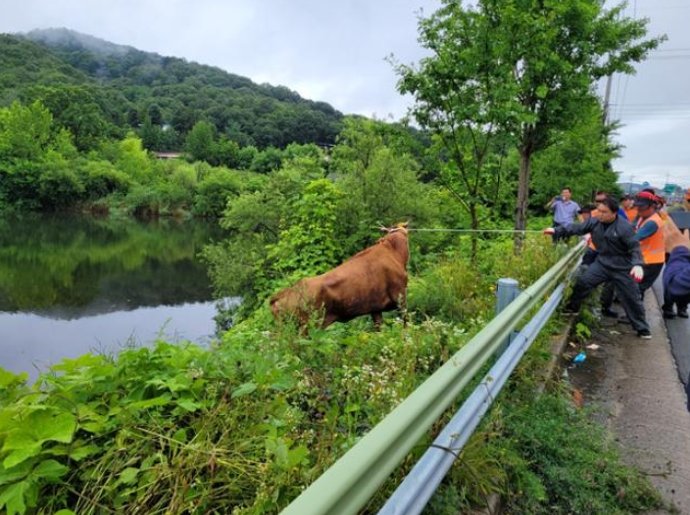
(668, 57)
(654, 104)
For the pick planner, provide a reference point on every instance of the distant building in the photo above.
(632, 188)
(168, 155)
(671, 192)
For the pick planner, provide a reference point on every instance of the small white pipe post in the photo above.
(507, 290)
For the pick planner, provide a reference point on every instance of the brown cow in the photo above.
(370, 282)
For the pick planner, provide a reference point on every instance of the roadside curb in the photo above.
(558, 344)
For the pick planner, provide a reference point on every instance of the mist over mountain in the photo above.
(125, 88)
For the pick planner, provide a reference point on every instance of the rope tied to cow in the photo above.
(511, 231)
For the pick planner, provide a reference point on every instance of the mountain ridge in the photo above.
(131, 86)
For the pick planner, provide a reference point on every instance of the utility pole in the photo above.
(607, 96)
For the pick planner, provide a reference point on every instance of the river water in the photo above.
(71, 285)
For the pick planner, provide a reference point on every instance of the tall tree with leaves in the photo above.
(522, 65)
(463, 94)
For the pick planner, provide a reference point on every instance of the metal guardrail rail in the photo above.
(421, 482)
(351, 481)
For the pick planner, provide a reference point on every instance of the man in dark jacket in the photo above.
(677, 241)
(618, 260)
(677, 271)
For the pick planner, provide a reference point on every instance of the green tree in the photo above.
(214, 191)
(150, 134)
(25, 131)
(545, 56)
(379, 182)
(267, 160)
(155, 114)
(226, 152)
(307, 243)
(200, 141)
(59, 186)
(582, 152)
(77, 109)
(133, 160)
(464, 98)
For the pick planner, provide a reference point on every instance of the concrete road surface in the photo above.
(678, 330)
(642, 400)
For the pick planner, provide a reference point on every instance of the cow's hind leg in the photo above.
(401, 306)
(377, 317)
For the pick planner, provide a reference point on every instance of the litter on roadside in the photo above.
(581, 357)
(592, 346)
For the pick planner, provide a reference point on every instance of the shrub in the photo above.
(213, 192)
(59, 186)
(101, 178)
(452, 290)
(143, 201)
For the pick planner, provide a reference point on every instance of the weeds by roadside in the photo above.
(244, 426)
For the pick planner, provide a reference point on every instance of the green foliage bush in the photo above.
(101, 178)
(307, 241)
(19, 184)
(453, 290)
(268, 160)
(551, 437)
(143, 201)
(185, 429)
(214, 191)
(59, 186)
(536, 258)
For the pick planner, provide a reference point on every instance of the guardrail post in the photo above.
(507, 289)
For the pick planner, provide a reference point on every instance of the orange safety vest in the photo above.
(653, 251)
(590, 243)
(631, 214)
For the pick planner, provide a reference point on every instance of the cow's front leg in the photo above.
(377, 317)
(328, 319)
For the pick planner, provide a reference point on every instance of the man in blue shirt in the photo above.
(564, 210)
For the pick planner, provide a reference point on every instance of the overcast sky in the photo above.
(335, 52)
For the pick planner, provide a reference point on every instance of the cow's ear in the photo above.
(404, 225)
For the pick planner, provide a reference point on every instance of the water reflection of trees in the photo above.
(76, 266)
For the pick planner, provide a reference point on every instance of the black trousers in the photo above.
(651, 272)
(628, 291)
(682, 305)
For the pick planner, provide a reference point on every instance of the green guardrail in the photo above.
(352, 480)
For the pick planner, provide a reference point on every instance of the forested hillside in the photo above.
(119, 88)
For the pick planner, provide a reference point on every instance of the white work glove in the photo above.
(637, 273)
(587, 238)
(550, 231)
